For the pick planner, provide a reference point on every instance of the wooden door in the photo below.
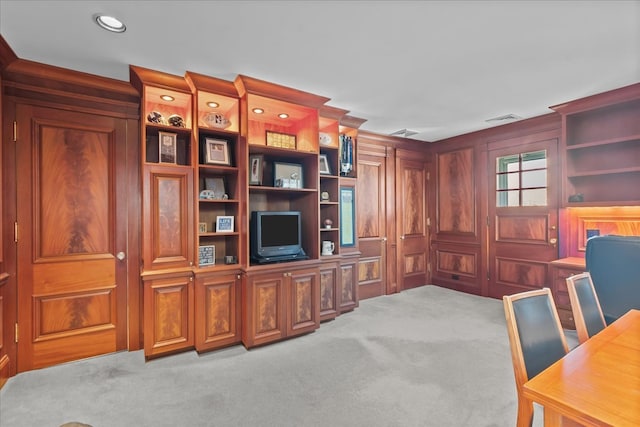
(411, 220)
(72, 232)
(523, 218)
(371, 212)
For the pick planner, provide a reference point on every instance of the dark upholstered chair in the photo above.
(585, 306)
(614, 264)
(536, 339)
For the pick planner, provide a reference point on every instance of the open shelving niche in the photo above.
(217, 110)
(601, 140)
(286, 131)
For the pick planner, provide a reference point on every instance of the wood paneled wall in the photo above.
(459, 240)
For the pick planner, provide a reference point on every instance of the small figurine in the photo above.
(328, 223)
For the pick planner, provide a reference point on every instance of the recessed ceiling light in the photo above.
(503, 118)
(213, 104)
(283, 115)
(258, 110)
(110, 23)
(167, 98)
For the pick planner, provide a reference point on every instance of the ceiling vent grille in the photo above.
(405, 133)
(504, 118)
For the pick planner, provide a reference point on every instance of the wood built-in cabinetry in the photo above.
(560, 270)
(601, 144)
(214, 150)
(189, 300)
(281, 128)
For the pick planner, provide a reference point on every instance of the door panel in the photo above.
(523, 217)
(411, 208)
(371, 202)
(72, 289)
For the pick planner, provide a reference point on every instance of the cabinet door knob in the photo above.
(121, 256)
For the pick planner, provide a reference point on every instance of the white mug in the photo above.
(327, 247)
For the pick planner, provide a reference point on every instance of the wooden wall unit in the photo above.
(601, 147)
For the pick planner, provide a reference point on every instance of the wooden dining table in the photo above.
(596, 383)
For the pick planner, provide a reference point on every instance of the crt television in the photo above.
(276, 236)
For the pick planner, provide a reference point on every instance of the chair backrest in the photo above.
(535, 333)
(587, 312)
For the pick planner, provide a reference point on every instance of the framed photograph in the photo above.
(256, 163)
(287, 175)
(168, 147)
(216, 152)
(202, 227)
(324, 164)
(280, 140)
(347, 217)
(217, 186)
(206, 255)
(224, 224)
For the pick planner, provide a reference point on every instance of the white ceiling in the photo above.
(440, 68)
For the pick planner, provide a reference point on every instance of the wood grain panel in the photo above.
(517, 272)
(369, 270)
(328, 277)
(268, 304)
(171, 311)
(303, 310)
(369, 199)
(620, 221)
(455, 192)
(169, 191)
(415, 264)
(413, 212)
(457, 263)
(348, 286)
(522, 228)
(73, 206)
(71, 314)
(219, 309)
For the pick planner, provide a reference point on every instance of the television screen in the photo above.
(276, 236)
(279, 230)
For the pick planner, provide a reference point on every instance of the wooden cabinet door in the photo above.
(167, 226)
(72, 235)
(348, 291)
(411, 220)
(304, 301)
(264, 316)
(217, 311)
(168, 314)
(329, 285)
(522, 214)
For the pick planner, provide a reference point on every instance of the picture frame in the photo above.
(324, 167)
(280, 140)
(202, 227)
(347, 217)
(224, 224)
(216, 184)
(287, 175)
(206, 255)
(167, 147)
(256, 165)
(216, 152)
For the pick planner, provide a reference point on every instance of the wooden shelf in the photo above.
(601, 142)
(604, 172)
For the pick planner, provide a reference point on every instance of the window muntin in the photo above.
(521, 179)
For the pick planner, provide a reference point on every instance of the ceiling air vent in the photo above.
(405, 133)
(504, 118)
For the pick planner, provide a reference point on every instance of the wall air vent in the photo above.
(504, 118)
